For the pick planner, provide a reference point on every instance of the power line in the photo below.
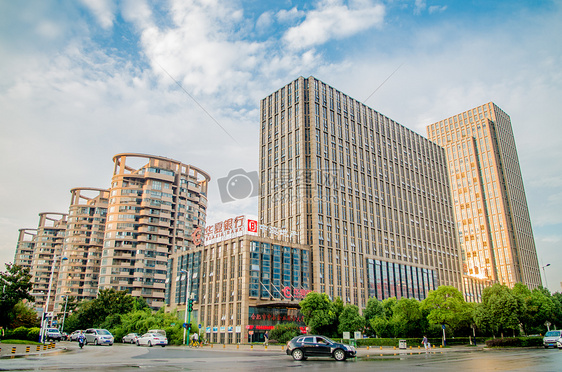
(385, 80)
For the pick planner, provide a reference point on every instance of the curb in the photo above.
(13, 350)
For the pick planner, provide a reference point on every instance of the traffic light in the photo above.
(190, 305)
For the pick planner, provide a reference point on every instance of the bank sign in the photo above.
(230, 228)
(295, 293)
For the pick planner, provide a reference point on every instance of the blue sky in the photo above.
(81, 81)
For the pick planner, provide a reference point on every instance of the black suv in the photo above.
(302, 347)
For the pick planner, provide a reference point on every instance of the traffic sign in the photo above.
(184, 325)
(199, 325)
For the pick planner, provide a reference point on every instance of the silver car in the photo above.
(131, 338)
(98, 336)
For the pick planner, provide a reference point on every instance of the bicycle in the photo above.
(194, 343)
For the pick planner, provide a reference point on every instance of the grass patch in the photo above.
(20, 342)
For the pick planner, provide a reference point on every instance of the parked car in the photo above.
(152, 339)
(302, 347)
(131, 338)
(559, 343)
(53, 334)
(98, 336)
(159, 331)
(551, 338)
(74, 335)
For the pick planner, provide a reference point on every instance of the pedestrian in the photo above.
(266, 338)
(425, 342)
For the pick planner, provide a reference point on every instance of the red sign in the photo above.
(196, 236)
(252, 226)
(296, 293)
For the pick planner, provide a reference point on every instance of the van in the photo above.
(550, 338)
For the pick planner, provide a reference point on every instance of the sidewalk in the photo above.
(7, 350)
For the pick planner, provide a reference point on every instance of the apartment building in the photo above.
(79, 274)
(25, 248)
(370, 197)
(489, 199)
(155, 204)
(46, 258)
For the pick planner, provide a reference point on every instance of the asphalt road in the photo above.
(124, 358)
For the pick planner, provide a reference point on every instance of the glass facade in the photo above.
(267, 266)
(388, 279)
(188, 267)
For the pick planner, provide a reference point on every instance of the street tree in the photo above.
(541, 309)
(446, 306)
(498, 310)
(557, 312)
(350, 320)
(381, 326)
(373, 308)
(15, 283)
(407, 318)
(92, 313)
(319, 313)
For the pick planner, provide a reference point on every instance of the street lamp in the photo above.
(186, 321)
(43, 320)
(64, 314)
(544, 272)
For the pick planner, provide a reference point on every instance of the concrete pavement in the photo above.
(9, 350)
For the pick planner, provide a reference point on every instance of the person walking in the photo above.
(425, 342)
(266, 338)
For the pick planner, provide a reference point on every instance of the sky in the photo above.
(84, 80)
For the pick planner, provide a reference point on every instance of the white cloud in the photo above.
(333, 19)
(419, 6)
(103, 10)
(289, 15)
(264, 20)
(436, 9)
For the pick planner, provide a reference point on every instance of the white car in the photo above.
(550, 338)
(131, 338)
(152, 339)
(98, 336)
(74, 335)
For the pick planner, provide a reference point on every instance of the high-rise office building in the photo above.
(25, 248)
(155, 204)
(369, 196)
(46, 258)
(79, 274)
(489, 198)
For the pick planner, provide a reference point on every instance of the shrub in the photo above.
(284, 332)
(23, 333)
(514, 342)
(33, 333)
(19, 333)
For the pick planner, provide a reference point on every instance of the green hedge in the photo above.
(514, 342)
(22, 333)
(413, 342)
